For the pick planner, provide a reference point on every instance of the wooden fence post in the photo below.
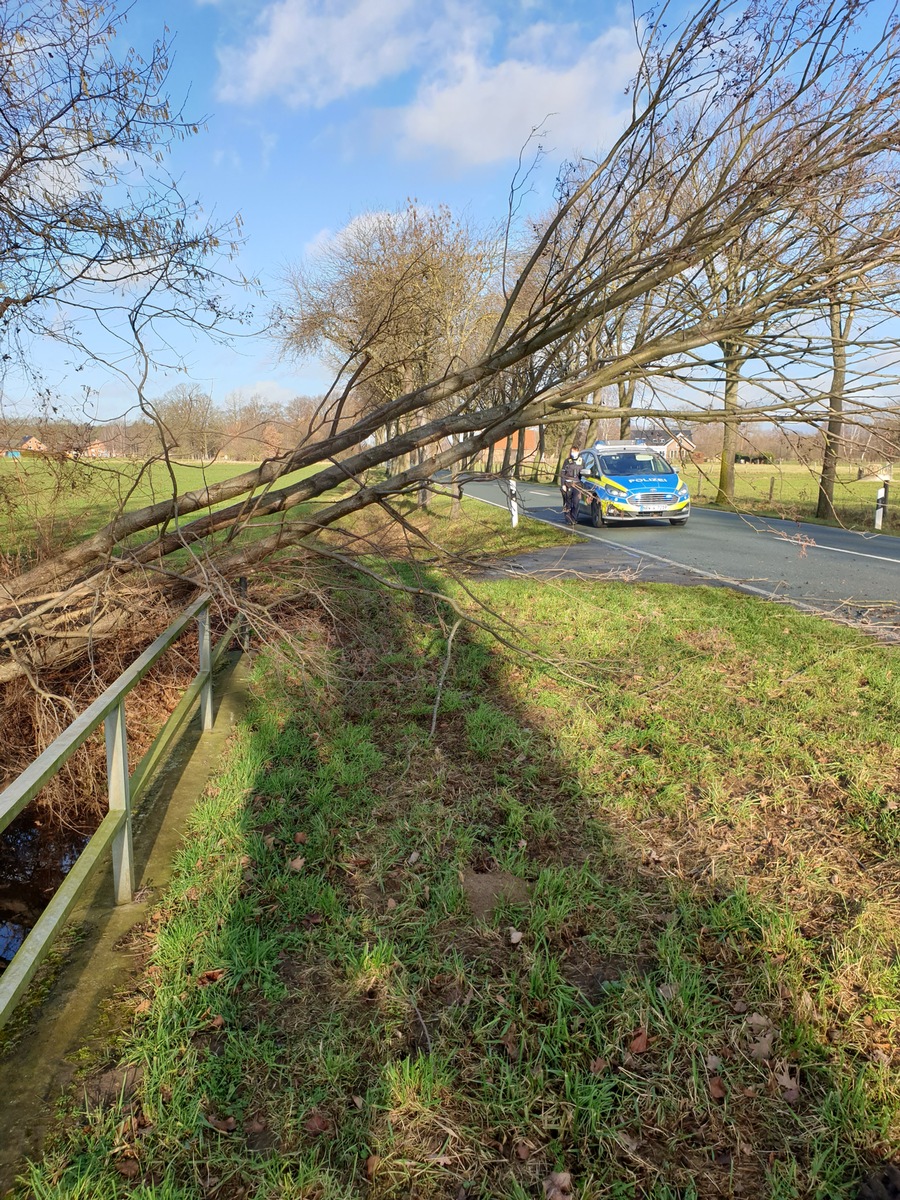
(119, 793)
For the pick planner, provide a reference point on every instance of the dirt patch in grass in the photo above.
(486, 890)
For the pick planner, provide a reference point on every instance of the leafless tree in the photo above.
(89, 221)
(705, 89)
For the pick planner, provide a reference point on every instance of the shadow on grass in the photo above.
(393, 965)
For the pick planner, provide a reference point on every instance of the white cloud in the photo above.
(480, 112)
(478, 84)
(312, 52)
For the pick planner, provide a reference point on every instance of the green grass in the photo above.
(695, 840)
(46, 504)
(795, 492)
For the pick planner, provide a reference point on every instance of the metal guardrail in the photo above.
(123, 790)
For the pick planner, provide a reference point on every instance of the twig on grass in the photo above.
(421, 1021)
(440, 686)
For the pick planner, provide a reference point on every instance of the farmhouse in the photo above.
(671, 446)
(32, 445)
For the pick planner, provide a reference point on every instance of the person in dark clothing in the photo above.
(569, 481)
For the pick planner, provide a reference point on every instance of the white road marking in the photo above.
(781, 537)
(670, 562)
(838, 550)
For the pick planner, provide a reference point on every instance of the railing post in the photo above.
(206, 694)
(119, 792)
(244, 634)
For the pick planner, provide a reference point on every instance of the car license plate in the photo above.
(654, 507)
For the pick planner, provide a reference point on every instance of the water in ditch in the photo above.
(36, 854)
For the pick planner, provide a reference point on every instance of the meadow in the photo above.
(790, 490)
(453, 920)
(46, 504)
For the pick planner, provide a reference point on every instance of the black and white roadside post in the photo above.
(513, 503)
(881, 501)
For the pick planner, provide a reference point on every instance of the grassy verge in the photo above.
(635, 921)
(790, 490)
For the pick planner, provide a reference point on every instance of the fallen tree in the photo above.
(797, 85)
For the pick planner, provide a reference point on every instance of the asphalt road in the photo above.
(829, 569)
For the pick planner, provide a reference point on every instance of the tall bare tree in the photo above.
(723, 75)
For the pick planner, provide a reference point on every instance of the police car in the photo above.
(628, 481)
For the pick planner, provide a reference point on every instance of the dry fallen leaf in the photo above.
(788, 1079)
(558, 1186)
(717, 1088)
(372, 1165)
(523, 1151)
(515, 936)
(511, 1041)
(413, 858)
(739, 1006)
(300, 839)
(207, 977)
(317, 1124)
(763, 1034)
(143, 1007)
(713, 1062)
(598, 1066)
(391, 904)
(297, 864)
(128, 1168)
(639, 1042)
(217, 1022)
(806, 1006)
(223, 1124)
(269, 841)
(761, 1048)
(254, 1127)
(358, 1101)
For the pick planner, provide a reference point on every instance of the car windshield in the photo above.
(634, 462)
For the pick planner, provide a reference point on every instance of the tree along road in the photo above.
(829, 569)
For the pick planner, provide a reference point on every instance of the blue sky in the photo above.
(318, 110)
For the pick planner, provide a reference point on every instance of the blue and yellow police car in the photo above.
(628, 481)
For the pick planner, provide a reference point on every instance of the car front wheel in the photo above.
(596, 514)
(678, 520)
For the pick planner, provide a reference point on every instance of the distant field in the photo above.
(794, 491)
(47, 504)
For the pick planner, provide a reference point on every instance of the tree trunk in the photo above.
(626, 388)
(456, 502)
(593, 432)
(839, 331)
(541, 451)
(725, 493)
(507, 455)
(422, 498)
(489, 461)
(520, 452)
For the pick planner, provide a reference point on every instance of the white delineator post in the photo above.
(118, 787)
(513, 503)
(881, 501)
